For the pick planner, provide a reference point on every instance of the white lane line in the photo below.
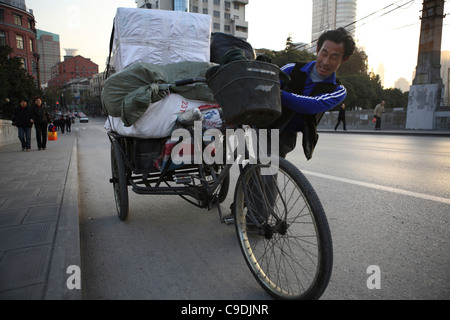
(378, 187)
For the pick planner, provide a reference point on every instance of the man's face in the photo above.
(330, 57)
(23, 103)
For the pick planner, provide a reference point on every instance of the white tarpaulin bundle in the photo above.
(160, 37)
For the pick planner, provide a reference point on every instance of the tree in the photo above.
(366, 90)
(395, 98)
(15, 83)
(357, 64)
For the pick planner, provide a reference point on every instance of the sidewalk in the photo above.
(386, 132)
(39, 225)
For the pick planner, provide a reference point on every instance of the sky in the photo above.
(391, 40)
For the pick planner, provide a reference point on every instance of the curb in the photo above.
(66, 249)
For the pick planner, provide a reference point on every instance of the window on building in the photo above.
(216, 26)
(23, 62)
(217, 2)
(31, 45)
(205, 11)
(2, 15)
(227, 16)
(236, 6)
(3, 38)
(19, 42)
(17, 19)
(195, 9)
(227, 28)
(227, 4)
(217, 14)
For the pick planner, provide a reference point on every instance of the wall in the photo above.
(392, 119)
(8, 134)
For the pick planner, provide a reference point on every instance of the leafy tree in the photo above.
(357, 64)
(395, 98)
(15, 83)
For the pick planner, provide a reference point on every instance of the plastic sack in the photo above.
(159, 119)
(52, 136)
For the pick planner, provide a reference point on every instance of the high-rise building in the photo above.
(227, 16)
(332, 14)
(49, 50)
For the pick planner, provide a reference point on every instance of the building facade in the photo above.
(48, 47)
(72, 68)
(228, 16)
(332, 14)
(17, 30)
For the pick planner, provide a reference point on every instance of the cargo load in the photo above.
(129, 93)
(159, 119)
(159, 37)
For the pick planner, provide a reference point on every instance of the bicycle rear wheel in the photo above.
(119, 180)
(283, 232)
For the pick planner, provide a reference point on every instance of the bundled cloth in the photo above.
(129, 93)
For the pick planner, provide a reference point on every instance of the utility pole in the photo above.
(429, 61)
(427, 90)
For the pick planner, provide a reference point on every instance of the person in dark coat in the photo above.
(42, 119)
(23, 119)
(68, 124)
(341, 117)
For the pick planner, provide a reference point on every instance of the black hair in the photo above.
(339, 35)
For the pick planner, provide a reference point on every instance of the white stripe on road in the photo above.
(378, 187)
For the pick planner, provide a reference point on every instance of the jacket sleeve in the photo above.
(316, 104)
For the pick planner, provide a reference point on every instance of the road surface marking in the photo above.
(378, 187)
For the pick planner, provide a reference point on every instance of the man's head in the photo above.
(334, 48)
(23, 102)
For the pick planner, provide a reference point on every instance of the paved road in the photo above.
(387, 199)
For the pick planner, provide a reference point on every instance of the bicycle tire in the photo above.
(295, 265)
(119, 180)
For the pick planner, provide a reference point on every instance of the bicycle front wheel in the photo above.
(283, 232)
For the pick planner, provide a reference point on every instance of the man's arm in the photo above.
(313, 105)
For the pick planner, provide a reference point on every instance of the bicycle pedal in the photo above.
(182, 179)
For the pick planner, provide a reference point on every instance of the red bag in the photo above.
(52, 136)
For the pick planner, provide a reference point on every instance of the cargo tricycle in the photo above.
(280, 223)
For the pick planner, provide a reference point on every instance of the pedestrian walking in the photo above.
(377, 113)
(68, 124)
(341, 118)
(41, 120)
(62, 124)
(23, 119)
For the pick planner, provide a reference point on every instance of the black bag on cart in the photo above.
(221, 43)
